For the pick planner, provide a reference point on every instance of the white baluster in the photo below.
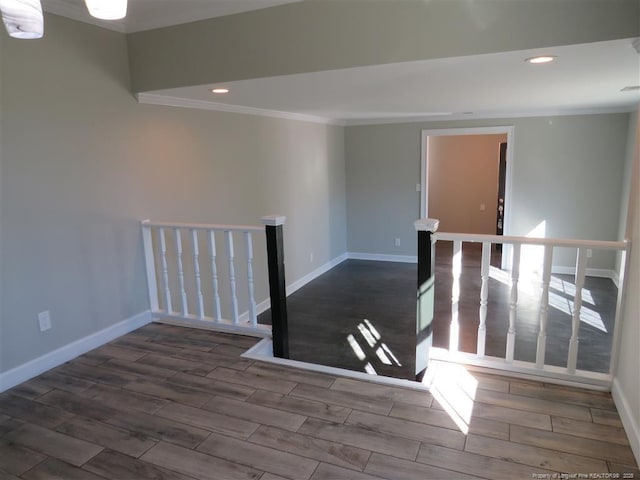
(544, 306)
(214, 276)
(196, 270)
(165, 271)
(232, 275)
(581, 268)
(513, 303)
(484, 297)
(253, 315)
(150, 264)
(183, 292)
(456, 271)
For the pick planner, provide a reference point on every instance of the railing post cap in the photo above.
(273, 220)
(426, 225)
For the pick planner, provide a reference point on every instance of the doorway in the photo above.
(482, 206)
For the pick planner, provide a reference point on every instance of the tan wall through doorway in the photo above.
(463, 177)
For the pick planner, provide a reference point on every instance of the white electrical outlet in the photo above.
(44, 319)
(311, 258)
(589, 253)
(397, 242)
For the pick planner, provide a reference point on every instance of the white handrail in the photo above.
(203, 226)
(556, 242)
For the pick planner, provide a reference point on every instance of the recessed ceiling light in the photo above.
(541, 59)
(107, 9)
(220, 90)
(630, 88)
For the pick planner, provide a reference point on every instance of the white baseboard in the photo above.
(591, 272)
(629, 423)
(301, 282)
(263, 351)
(35, 367)
(264, 305)
(382, 257)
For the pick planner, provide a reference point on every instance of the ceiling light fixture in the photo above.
(107, 9)
(541, 59)
(22, 18)
(220, 90)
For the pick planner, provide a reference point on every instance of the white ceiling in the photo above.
(585, 78)
(149, 14)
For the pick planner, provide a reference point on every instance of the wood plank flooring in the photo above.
(147, 406)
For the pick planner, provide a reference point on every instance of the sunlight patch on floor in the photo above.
(559, 302)
(355, 346)
(454, 388)
(569, 288)
(587, 315)
(372, 342)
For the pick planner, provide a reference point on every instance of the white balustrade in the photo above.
(581, 268)
(228, 235)
(196, 270)
(456, 271)
(183, 292)
(509, 363)
(513, 302)
(253, 315)
(199, 283)
(150, 264)
(214, 276)
(544, 306)
(165, 271)
(484, 298)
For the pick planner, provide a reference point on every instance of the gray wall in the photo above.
(567, 171)
(627, 376)
(82, 163)
(332, 34)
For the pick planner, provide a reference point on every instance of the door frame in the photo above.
(424, 170)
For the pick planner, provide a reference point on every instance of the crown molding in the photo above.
(168, 101)
(558, 112)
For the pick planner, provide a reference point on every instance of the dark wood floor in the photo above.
(355, 301)
(358, 299)
(171, 403)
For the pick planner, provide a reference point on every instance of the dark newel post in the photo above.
(275, 253)
(425, 294)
